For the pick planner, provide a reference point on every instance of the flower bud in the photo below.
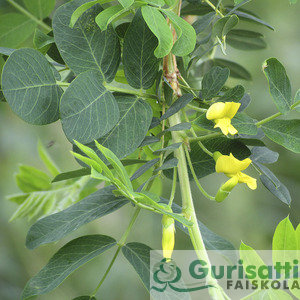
(226, 188)
(168, 236)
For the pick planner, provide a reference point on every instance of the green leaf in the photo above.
(160, 28)
(180, 103)
(203, 22)
(248, 16)
(108, 15)
(40, 8)
(279, 84)
(234, 94)
(126, 3)
(47, 159)
(30, 88)
(140, 63)
(88, 110)
(250, 258)
(293, 1)
(131, 129)
(168, 164)
(15, 29)
(246, 40)
(277, 188)
(80, 10)
(244, 124)
(186, 35)
(222, 27)
(64, 262)
(284, 132)
(55, 227)
(85, 47)
(284, 242)
(264, 155)
(236, 70)
(87, 171)
(171, 147)
(285, 237)
(138, 256)
(196, 8)
(213, 81)
(42, 41)
(144, 168)
(30, 179)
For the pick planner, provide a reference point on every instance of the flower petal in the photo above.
(231, 108)
(216, 111)
(223, 124)
(250, 181)
(228, 164)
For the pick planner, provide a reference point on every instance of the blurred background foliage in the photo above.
(247, 215)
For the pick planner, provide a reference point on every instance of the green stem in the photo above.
(196, 108)
(214, 8)
(205, 194)
(188, 86)
(268, 119)
(118, 89)
(120, 245)
(188, 209)
(205, 137)
(172, 196)
(29, 15)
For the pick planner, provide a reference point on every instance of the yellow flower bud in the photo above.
(226, 188)
(168, 236)
(222, 113)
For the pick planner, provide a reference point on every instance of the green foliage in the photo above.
(160, 28)
(88, 110)
(280, 87)
(285, 133)
(84, 47)
(138, 255)
(101, 73)
(40, 8)
(15, 29)
(140, 42)
(69, 258)
(36, 92)
(213, 81)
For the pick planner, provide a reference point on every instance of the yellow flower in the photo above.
(232, 167)
(222, 113)
(168, 236)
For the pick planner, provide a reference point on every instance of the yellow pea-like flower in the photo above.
(168, 236)
(222, 113)
(232, 167)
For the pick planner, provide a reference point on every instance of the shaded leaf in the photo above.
(40, 8)
(234, 94)
(55, 227)
(177, 106)
(224, 25)
(30, 88)
(138, 256)
(203, 22)
(88, 110)
(263, 155)
(85, 47)
(244, 124)
(279, 84)
(280, 192)
(69, 258)
(284, 132)
(15, 29)
(246, 40)
(213, 81)
(140, 63)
